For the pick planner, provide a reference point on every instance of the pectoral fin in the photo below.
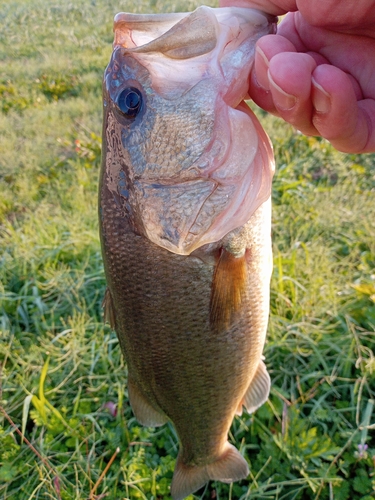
(228, 289)
(258, 391)
(143, 411)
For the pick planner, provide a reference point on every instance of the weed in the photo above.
(11, 99)
(58, 86)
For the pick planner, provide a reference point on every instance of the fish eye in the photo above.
(129, 102)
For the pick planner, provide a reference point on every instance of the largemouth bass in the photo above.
(185, 228)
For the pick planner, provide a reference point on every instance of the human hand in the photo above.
(318, 73)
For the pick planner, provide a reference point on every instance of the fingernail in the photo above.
(320, 98)
(282, 100)
(261, 67)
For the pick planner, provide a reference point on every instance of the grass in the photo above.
(63, 380)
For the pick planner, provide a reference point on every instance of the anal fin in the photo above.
(143, 411)
(109, 310)
(258, 390)
(230, 466)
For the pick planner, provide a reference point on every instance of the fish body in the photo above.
(184, 211)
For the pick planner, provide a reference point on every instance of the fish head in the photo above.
(183, 156)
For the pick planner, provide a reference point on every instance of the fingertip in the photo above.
(261, 64)
(338, 115)
(320, 98)
(334, 101)
(266, 48)
(283, 100)
(292, 72)
(271, 45)
(261, 96)
(290, 83)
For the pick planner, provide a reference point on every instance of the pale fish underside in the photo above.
(185, 228)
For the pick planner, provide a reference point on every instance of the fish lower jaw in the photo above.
(179, 249)
(186, 244)
(190, 244)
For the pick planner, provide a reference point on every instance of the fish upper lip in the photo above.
(167, 22)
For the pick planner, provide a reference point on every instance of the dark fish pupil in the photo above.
(130, 101)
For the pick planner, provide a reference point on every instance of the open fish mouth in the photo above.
(202, 60)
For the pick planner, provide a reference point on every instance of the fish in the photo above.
(185, 228)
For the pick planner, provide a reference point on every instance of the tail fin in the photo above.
(187, 479)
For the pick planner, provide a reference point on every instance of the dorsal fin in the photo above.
(228, 289)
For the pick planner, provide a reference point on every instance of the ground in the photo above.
(63, 380)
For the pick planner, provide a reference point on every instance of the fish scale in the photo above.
(185, 218)
(178, 335)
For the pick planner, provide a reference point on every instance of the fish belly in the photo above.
(181, 366)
